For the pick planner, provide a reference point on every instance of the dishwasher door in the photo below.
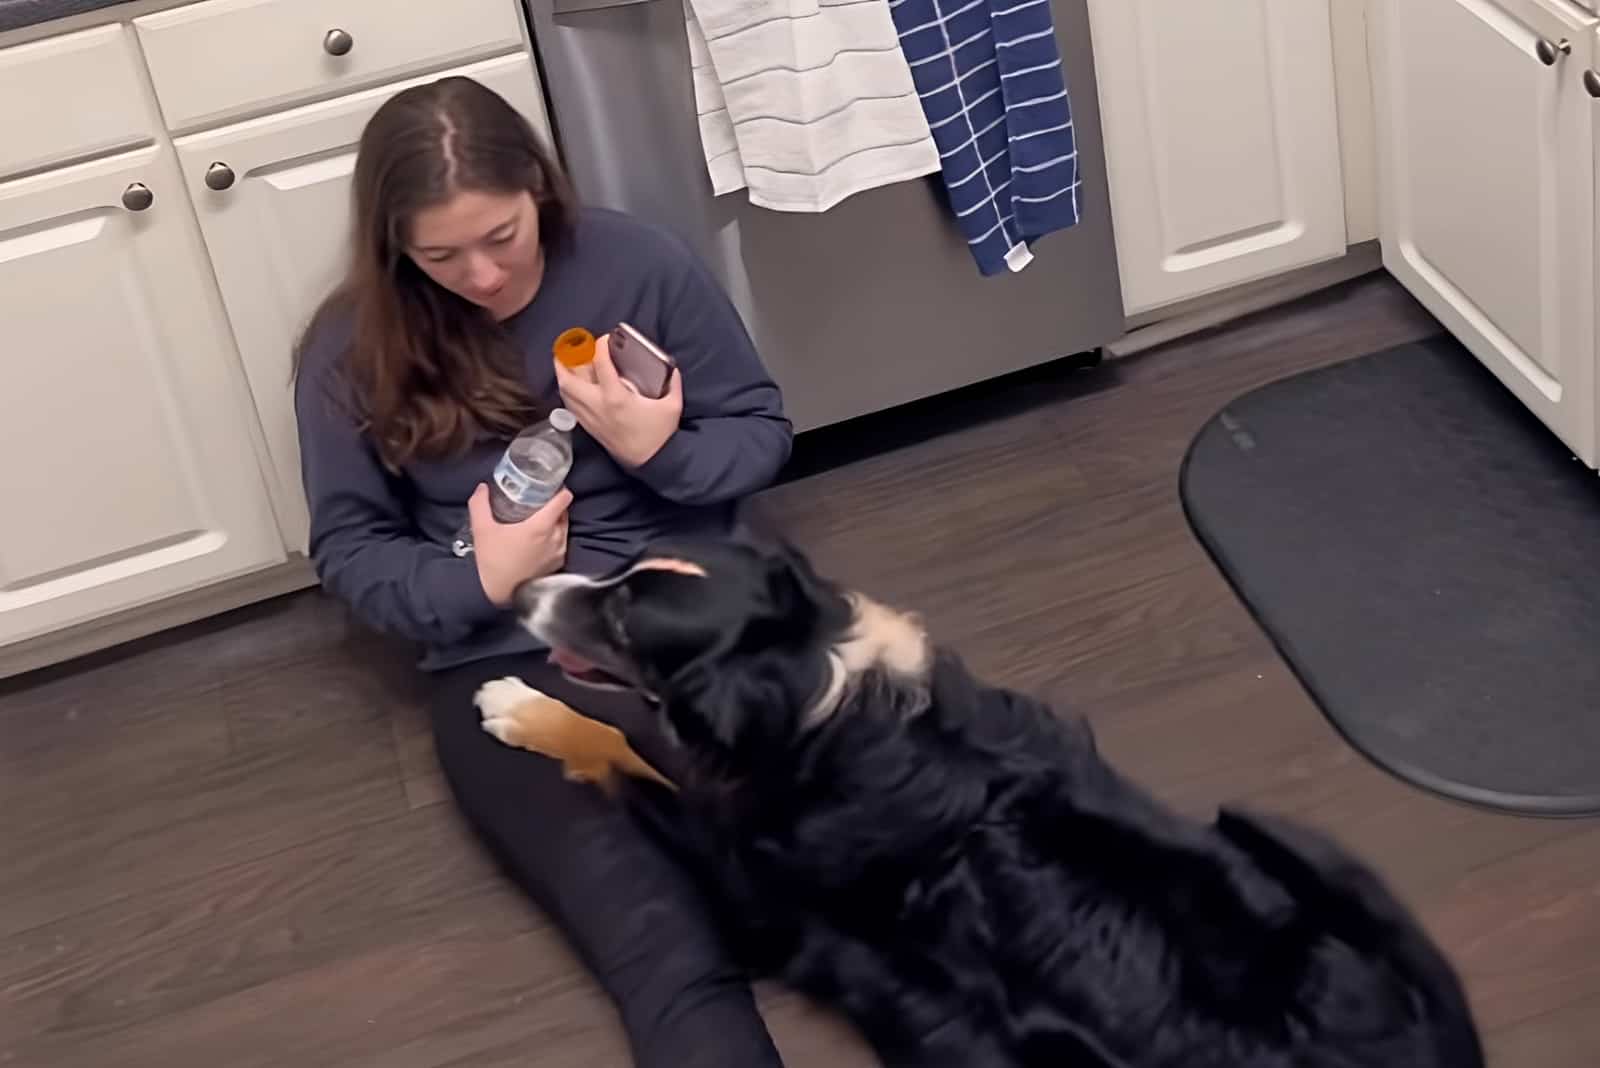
(871, 304)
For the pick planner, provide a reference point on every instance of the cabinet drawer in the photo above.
(219, 59)
(90, 99)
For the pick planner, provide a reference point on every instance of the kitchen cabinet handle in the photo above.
(1548, 53)
(1591, 82)
(219, 176)
(338, 43)
(137, 197)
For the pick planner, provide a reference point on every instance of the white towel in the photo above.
(804, 102)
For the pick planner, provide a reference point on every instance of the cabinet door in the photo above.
(1486, 179)
(1222, 141)
(278, 231)
(125, 444)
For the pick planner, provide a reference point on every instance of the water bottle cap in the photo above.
(563, 420)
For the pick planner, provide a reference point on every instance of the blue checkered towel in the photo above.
(988, 73)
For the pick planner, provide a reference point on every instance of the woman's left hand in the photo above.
(627, 424)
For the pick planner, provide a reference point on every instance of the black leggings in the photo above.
(627, 908)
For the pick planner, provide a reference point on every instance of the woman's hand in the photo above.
(509, 554)
(627, 424)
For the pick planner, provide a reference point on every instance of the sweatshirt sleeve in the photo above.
(734, 436)
(364, 545)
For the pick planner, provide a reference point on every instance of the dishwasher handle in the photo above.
(570, 7)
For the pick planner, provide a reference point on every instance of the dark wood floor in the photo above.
(230, 845)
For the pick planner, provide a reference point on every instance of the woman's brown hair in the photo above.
(429, 373)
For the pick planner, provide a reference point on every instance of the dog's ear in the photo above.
(746, 696)
(747, 709)
(805, 604)
(743, 690)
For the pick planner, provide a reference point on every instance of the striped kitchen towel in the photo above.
(804, 102)
(989, 76)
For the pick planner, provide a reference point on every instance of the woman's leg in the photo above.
(630, 912)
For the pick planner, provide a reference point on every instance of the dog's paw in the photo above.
(498, 702)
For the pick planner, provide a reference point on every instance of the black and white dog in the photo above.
(954, 866)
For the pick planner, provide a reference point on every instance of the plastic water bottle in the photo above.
(530, 472)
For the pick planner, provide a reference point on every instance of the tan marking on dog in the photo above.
(882, 636)
(589, 750)
(666, 563)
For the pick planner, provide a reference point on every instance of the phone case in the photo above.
(641, 361)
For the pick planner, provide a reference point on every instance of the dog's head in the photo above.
(742, 643)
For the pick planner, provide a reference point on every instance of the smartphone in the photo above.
(641, 361)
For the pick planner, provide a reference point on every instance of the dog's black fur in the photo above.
(956, 868)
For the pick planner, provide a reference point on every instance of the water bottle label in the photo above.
(514, 484)
(528, 474)
(521, 493)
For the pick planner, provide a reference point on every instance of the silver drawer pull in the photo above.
(338, 43)
(219, 176)
(1548, 53)
(137, 197)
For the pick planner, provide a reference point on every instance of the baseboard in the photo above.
(1176, 321)
(146, 620)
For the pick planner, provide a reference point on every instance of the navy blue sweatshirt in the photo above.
(380, 540)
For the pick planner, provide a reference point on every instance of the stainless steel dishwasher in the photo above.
(869, 305)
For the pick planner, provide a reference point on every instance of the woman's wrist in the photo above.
(494, 589)
(643, 455)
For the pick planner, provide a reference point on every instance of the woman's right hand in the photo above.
(509, 554)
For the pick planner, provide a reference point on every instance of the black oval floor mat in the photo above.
(1426, 555)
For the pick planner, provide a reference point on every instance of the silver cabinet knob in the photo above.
(137, 197)
(219, 176)
(1591, 82)
(337, 43)
(1548, 53)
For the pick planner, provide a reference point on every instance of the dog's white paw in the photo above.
(497, 702)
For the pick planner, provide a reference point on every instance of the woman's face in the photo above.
(483, 247)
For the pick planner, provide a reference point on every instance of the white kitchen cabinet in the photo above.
(1222, 141)
(273, 196)
(1487, 141)
(128, 466)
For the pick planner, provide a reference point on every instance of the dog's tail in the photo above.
(1353, 905)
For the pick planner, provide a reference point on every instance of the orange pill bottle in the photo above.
(574, 348)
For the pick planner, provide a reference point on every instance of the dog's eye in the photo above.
(614, 611)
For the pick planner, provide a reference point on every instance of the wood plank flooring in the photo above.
(230, 845)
